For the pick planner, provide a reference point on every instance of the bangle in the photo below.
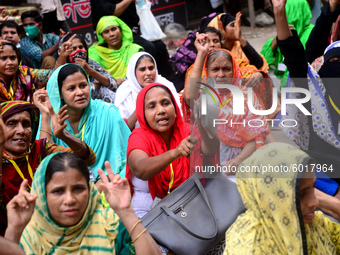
(242, 158)
(41, 130)
(138, 221)
(81, 147)
(198, 68)
(139, 235)
(334, 2)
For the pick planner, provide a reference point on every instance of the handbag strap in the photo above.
(169, 212)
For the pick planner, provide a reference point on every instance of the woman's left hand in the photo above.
(58, 121)
(238, 33)
(116, 189)
(20, 208)
(82, 63)
(254, 80)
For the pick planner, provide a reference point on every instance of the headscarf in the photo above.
(100, 127)
(298, 14)
(127, 92)
(273, 222)
(237, 135)
(153, 144)
(97, 232)
(18, 89)
(114, 61)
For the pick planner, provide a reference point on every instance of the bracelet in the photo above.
(138, 221)
(198, 68)
(242, 158)
(79, 149)
(334, 2)
(41, 130)
(139, 235)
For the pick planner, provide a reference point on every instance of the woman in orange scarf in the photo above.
(239, 132)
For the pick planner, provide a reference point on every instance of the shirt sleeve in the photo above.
(30, 50)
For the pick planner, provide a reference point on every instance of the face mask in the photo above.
(77, 54)
(32, 31)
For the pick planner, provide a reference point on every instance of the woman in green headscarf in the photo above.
(281, 200)
(114, 47)
(299, 16)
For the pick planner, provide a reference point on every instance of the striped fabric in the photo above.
(100, 231)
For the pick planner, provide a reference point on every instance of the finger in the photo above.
(62, 109)
(72, 37)
(193, 140)
(103, 177)
(23, 185)
(109, 170)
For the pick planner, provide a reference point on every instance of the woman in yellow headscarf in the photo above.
(281, 203)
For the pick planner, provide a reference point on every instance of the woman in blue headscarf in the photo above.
(93, 121)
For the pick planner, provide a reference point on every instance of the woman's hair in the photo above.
(82, 40)
(142, 57)
(62, 162)
(214, 31)
(68, 70)
(215, 54)
(4, 43)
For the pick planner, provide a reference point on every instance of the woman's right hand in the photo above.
(201, 43)
(42, 101)
(186, 147)
(20, 209)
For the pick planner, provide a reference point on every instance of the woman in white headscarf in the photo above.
(141, 71)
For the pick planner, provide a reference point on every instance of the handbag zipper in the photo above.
(181, 207)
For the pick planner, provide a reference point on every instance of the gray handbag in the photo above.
(195, 216)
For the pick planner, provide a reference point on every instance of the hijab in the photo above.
(114, 61)
(153, 144)
(100, 127)
(95, 233)
(127, 92)
(273, 222)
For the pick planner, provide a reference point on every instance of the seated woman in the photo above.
(280, 216)
(114, 48)
(299, 16)
(158, 152)
(18, 82)
(141, 71)
(22, 154)
(103, 85)
(237, 140)
(93, 121)
(319, 134)
(232, 40)
(69, 217)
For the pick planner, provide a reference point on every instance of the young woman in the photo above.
(158, 152)
(281, 204)
(238, 141)
(18, 82)
(22, 154)
(103, 85)
(114, 48)
(69, 217)
(93, 121)
(141, 71)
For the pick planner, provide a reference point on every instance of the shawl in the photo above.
(98, 232)
(152, 143)
(127, 92)
(11, 179)
(114, 61)
(236, 135)
(298, 14)
(273, 222)
(100, 127)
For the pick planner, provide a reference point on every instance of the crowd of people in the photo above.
(92, 137)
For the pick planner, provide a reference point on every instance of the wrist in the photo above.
(125, 213)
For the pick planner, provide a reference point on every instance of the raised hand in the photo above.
(186, 147)
(2, 10)
(65, 51)
(201, 43)
(58, 121)
(62, 33)
(237, 26)
(116, 189)
(279, 4)
(20, 208)
(254, 80)
(42, 101)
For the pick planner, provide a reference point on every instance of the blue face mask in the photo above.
(32, 31)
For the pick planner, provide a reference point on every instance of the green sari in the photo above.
(114, 61)
(298, 14)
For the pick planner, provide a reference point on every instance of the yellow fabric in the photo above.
(273, 222)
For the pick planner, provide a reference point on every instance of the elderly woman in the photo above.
(69, 217)
(22, 154)
(18, 82)
(114, 48)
